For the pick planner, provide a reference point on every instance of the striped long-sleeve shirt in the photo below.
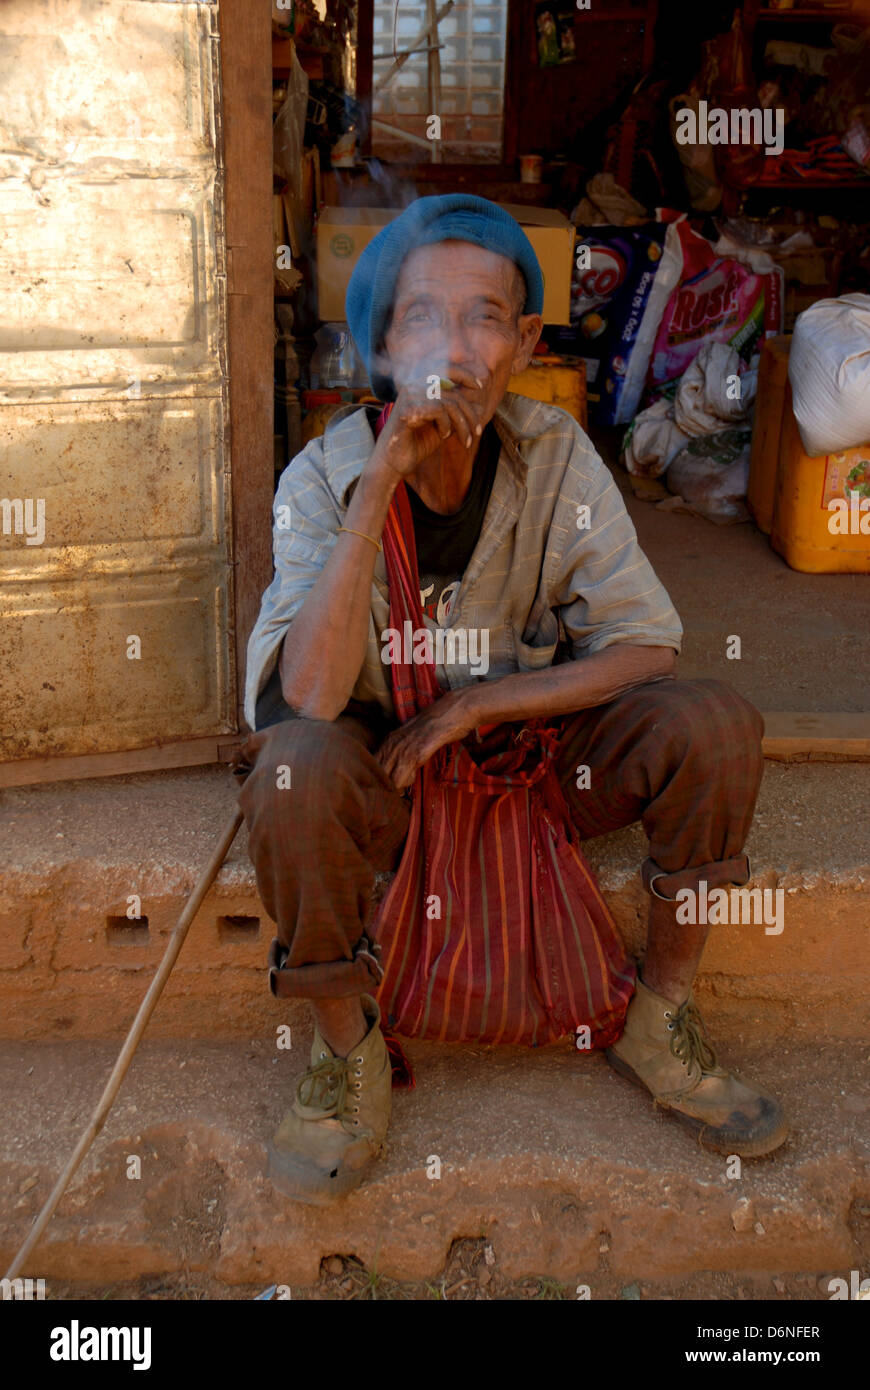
(556, 568)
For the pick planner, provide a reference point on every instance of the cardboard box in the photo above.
(343, 233)
(342, 236)
(552, 237)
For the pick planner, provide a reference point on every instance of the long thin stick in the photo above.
(424, 36)
(434, 70)
(125, 1056)
(405, 134)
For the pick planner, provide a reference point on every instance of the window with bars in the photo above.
(464, 89)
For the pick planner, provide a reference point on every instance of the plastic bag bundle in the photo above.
(711, 476)
(288, 131)
(713, 393)
(617, 303)
(829, 371)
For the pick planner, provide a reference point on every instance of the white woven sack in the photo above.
(829, 370)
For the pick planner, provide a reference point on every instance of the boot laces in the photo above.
(324, 1086)
(688, 1041)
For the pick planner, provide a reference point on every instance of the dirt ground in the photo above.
(467, 1276)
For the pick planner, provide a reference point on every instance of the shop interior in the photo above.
(693, 179)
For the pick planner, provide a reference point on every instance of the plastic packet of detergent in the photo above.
(623, 278)
(718, 299)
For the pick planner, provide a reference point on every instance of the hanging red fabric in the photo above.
(494, 929)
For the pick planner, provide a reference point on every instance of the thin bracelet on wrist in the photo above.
(352, 532)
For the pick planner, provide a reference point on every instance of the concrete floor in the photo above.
(805, 638)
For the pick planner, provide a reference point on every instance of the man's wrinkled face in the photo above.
(458, 305)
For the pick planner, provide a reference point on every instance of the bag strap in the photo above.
(414, 685)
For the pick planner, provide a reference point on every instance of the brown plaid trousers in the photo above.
(683, 757)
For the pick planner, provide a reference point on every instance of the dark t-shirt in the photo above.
(445, 545)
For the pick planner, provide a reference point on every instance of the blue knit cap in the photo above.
(448, 216)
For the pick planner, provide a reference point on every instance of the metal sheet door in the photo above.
(115, 534)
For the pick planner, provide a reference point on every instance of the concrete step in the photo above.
(73, 854)
(565, 1168)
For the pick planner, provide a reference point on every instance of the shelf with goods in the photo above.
(813, 27)
(737, 192)
(834, 184)
(643, 16)
(757, 16)
(837, 183)
(755, 13)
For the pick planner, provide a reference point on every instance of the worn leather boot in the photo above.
(664, 1048)
(338, 1121)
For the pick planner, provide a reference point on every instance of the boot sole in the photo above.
(312, 1186)
(708, 1137)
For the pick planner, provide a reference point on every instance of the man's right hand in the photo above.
(418, 426)
(324, 652)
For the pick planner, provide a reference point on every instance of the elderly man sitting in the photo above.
(445, 306)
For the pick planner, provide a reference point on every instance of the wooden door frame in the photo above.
(245, 149)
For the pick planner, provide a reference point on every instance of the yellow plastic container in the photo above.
(556, 381)
(802, 519)
(315, 421)
(766, 430)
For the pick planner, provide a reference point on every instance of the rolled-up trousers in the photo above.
(683, 757)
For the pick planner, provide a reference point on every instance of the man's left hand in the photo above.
(444, 721)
